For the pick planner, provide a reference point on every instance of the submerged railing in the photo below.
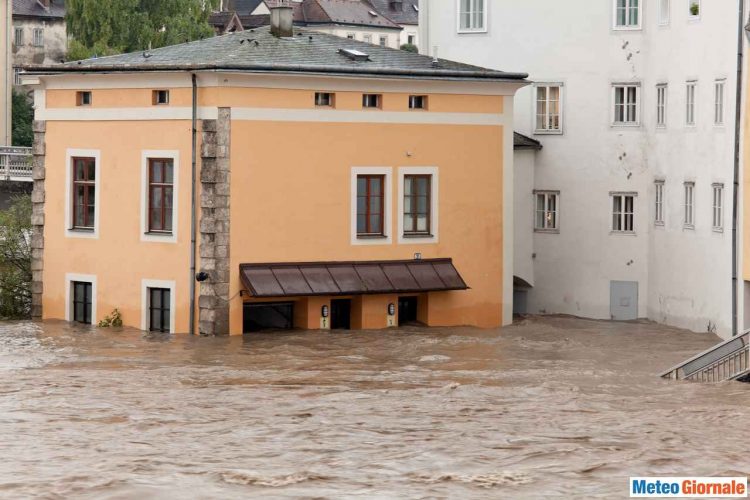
(729, 360)
(15, 164)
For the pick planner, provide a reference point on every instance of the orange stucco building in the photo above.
(317, 182)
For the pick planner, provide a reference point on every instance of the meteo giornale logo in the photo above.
(688, 487)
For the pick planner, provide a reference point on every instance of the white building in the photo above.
(634, 104)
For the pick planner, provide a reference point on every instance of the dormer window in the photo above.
(83, 98)
(159, 97)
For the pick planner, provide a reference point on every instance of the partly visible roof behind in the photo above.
(32, 8)
(306, 52)
(243, 7)
(351, 12)
(400, 12)
(521, 142)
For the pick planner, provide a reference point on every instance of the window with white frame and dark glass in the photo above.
(472, 15)
(659, 203)
(690, 103)
(159, 300)
(661, 105)
(83, 98)
(160, 97)
(417, 102)
(548, 108)
(38, 37)
(623, 213)
(547, 211)
(17, 76)
(719, 86)
(417, 205)
(160, 195)
(717, 207)
(689, 205)
(626, 104)
(370, 205)
(82, 301)
(627, 14)
(18, 36)
(324, 99)
(383, 41)
(84, 193)
(371, 100)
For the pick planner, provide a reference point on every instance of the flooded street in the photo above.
(551, 407)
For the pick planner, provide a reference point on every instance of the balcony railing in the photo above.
(15, 164)
(729, 360)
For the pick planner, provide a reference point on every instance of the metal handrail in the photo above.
(723, 365)
(15, 164)
(742, 341)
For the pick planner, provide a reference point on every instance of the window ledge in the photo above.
(719, 230)
(623, 233)
(548, 132)
(465, 31)
(81, 229)
(659, 223)
(166, 234)
(418, 235)
(371, 237)
(625, 125)
(688, 227)
(627, 28)
(547, 231)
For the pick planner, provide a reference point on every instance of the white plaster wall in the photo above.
(360, 32)
(523, 210)
(684, 276)
(409, 30)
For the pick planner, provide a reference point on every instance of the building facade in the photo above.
(6, 80)
(39, 34)
(634, 103)
(353, 186)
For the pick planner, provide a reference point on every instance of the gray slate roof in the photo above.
(521, 142)
(259, 51)
(243, 7)
(32, 8)
(408, 14)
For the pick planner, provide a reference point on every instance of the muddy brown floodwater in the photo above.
(550, 407)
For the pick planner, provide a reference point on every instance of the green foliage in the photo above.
(15, 259)
(409, 47)
(114, 319)
(695, 8)
(23, 116)
(106, 27)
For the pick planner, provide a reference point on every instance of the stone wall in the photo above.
(213, 297)
(37, 219)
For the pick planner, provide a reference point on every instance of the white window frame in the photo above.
(472, 29)
(68, 223)
(85, 278)
(149, 283)
(613, 107)
(18, 36)
(38, 37)
(383, 40)
(717, 207)
(173, 155)
(434, 205)
(691, 91)
(662, 100)
(535, 103)
(628, 26)
(17, 76)
(387, 239)
(547, 194)
(623, 213)
(688, 205)
(367, 38)
(720, 88)
(664, 12)
(659, 202)
(690, 3)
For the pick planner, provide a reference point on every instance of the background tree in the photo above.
(15, 259)
(23, 115)
(105, 27)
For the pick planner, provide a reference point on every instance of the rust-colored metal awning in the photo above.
(350, 278)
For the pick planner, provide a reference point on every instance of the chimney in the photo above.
(45, 3)
(281, 20)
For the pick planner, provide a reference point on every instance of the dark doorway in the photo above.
(82, 302)
(273, 316)
(341, 314)
(407, 310)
